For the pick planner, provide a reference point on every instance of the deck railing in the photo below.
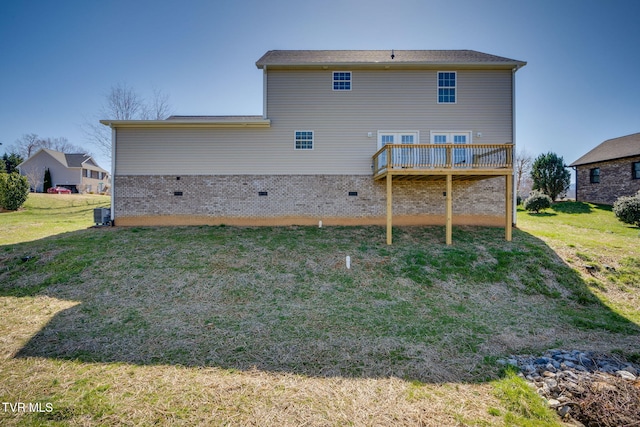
(443, 157)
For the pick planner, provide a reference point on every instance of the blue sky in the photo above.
(58, 59)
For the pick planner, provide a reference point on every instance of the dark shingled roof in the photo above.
(76, 160)
(616, 148)
(383, 57)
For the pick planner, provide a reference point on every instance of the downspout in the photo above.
(575, 168)
(513, 139)
(113, 174)
(264, 92)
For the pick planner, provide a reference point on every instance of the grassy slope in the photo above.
(241, 326)
(604, 250)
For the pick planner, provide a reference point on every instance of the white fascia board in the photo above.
(161, 124)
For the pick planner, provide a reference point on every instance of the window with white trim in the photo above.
(447, 87)
(342, 80)
(461, 157)
(304, 140)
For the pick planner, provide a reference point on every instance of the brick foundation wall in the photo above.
(615, 181)
(299, 199)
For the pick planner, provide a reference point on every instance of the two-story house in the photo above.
(76, 171)
(345, 137)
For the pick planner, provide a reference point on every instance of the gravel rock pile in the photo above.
(591, 389)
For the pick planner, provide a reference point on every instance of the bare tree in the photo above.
(523, 165)
(35, 176)
(27, 145)
(30, 143)
(124, 103)
(158, 108)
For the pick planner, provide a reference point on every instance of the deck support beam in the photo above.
(449, 176)
(389, 208)
(508, 201)
(449, 209)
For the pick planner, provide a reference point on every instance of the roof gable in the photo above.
(292, 58)
(616, 148)
(56, 155)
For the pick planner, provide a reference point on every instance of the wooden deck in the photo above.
(448, 163)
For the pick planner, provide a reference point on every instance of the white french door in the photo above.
(460, 156)
(404, 156)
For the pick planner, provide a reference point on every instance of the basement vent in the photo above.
(353, 193)
(262, 193)
(177, 193)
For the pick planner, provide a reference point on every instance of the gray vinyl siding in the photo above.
(391, 100)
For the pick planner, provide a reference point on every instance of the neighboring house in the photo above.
(77, 172)
(345, 137)
(609, 171)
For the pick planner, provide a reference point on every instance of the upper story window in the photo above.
(635, 170)
(447, 87)
(342, 80)
(594, 175)
(304, 140)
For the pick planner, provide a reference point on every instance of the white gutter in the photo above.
(228, 123)
(396, 63)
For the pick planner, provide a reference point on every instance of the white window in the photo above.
(460, 156)
(447, 87)
(342, 80)
(304, 140)
(402, 156)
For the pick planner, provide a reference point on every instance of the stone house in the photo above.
(345, 137)
(609, 171)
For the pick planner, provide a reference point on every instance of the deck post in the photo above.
(508, 201)
(389, 207)
(449, 199)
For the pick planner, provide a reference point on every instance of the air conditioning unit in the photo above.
(102, 216)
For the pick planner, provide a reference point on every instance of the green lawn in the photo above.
(267, 326)
(48, 215)
(591, 240)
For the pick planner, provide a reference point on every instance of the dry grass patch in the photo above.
(99, 394)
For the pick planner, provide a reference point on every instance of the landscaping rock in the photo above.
(626, 375)
(587, 387)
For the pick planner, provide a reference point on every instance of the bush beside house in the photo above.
(627, 209)
(46, 185)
